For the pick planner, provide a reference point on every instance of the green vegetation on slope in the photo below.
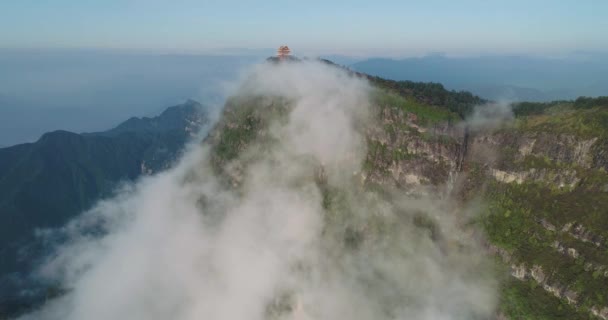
(425, 93)
(516, 303)
(244, 119)
(429, 93)
(425, 114)
(561, 229)
(516, 215)
(586, 102)
(584, 123)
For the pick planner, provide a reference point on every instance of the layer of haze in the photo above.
(496, 77)
(184, 245)
(94, 90)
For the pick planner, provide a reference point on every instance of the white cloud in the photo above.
(181, 245)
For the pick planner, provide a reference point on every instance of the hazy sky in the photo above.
(311, 26)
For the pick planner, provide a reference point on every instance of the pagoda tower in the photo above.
(283, 52)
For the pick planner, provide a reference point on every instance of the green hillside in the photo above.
(46, 183)
(546, 196)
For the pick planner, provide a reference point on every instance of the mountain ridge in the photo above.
(538, 175)
(44, 184)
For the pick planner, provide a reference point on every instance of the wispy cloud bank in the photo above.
(298, 238)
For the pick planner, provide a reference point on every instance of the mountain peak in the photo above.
(189, 106)
(188, 116)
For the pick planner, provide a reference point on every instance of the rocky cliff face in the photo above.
(407, 151)
(544, 184)
(543, 188)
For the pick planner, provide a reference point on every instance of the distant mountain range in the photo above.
(46, 183)
(43, 90)
(513, 78)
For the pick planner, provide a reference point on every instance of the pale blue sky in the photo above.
(321, 27)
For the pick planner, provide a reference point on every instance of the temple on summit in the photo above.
(283, 52)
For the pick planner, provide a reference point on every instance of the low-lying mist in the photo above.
(300, 236)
